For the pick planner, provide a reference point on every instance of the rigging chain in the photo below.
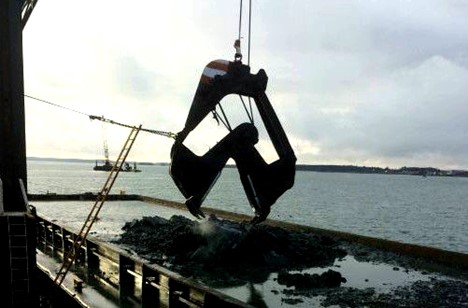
(103, 119)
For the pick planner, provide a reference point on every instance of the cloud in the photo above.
(353, 82)
(413, 112)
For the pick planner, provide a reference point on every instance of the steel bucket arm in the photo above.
(195, 175)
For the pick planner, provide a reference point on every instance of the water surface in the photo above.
(431, 211)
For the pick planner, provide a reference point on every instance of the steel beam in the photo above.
(12, 121)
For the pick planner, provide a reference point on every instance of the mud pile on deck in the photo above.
(225, 253)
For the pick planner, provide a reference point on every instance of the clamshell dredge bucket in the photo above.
(195, 175)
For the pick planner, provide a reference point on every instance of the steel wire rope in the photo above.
(240, 21)
(248, 53)
(250, 110)
(103, 119)
(218, 118)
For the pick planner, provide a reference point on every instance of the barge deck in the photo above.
(104, 275)
(373, 267)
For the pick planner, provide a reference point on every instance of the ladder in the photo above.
(101, 198)
(19, 259)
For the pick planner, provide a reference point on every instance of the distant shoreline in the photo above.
(420, 171)
(82, 160)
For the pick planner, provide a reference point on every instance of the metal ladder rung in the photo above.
(101, 198)
(19, 257)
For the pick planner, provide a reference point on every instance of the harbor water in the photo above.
(429, 211)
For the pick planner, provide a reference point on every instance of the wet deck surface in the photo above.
(89, 296)
(271, 267)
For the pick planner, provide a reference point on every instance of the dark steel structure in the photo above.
(17, 248)
(263, 183)
(12, 126)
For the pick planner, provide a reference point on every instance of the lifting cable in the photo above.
(103, 119)
(248, 111)
(218, 118)
(238, 57)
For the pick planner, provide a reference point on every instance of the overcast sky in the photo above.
(375, 83)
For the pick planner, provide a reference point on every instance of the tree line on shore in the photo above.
(422, 171)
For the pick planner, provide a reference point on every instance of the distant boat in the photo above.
(108, 166)
(128, 168)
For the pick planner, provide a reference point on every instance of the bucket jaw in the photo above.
(195, 175)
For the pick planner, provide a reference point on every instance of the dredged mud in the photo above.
(222, 253)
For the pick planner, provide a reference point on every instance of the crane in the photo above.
(107, 166)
